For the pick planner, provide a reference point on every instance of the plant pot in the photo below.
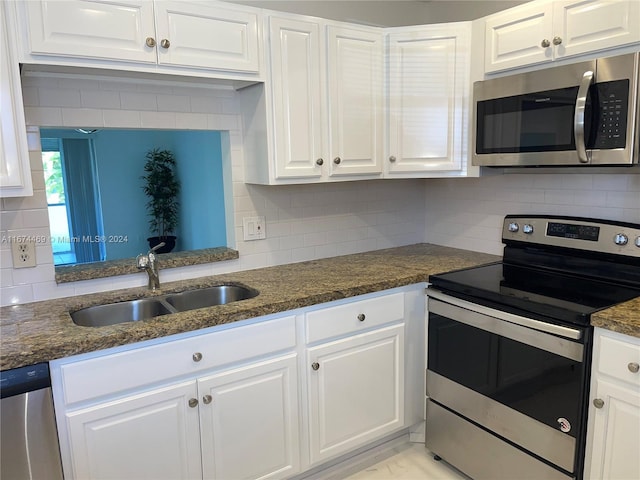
(169, 240)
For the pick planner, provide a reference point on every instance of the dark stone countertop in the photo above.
(43, 331)
(623, 318)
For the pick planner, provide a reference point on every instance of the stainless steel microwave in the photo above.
(580, 114)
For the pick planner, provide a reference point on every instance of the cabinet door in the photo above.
(585, 26)
(428, 92)
(92, 29)
(206, 36)
(356, 390)
(296, 91)
(616, 433)
(249, 421)
(15, 171)
(153, 435)
(518, 37)
(355, 87)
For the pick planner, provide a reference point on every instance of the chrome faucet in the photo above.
(149, 263)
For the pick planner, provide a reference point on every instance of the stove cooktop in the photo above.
(565, 297)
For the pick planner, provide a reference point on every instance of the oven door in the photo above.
(522, 379)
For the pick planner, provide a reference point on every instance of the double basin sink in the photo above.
(146, 308)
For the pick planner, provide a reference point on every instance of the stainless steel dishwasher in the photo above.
(29, 441)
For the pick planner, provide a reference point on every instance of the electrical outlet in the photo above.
(24, 254)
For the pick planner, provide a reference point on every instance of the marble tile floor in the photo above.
(408, 461)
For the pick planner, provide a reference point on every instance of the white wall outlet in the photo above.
(254, 228)
(23, 253)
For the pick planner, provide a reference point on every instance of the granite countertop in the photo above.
(42, 331)
(623, 318)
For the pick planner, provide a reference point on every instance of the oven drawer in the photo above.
(618, 359)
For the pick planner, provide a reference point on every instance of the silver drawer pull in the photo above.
(361, 317)
(197, 357)
(315, 365)
(633, 367)
(598, 402)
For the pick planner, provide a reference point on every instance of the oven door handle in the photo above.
(565, 332)
(578, 116)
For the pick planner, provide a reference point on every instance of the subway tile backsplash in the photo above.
(467, 213)
(304, 222)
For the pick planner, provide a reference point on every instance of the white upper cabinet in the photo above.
(296, 89)
(200, 35)
(323, 104)
(206, 36)
(355, 90)
(428, 97)
(15, 171)
(543, 31)
(92, 29)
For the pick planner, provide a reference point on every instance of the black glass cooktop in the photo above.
(551, 294)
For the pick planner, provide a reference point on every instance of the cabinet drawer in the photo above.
(617, 358)
(106, 375)
(353, 317)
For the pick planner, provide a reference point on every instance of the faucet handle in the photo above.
(158, 246)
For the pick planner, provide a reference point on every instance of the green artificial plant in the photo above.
(162, 188)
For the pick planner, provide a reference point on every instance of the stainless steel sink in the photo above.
(146, 308)
(132, 311)
(209, 297)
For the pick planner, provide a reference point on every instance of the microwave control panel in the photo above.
(612, 100)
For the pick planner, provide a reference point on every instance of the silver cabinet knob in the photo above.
(361, 317)
(337, 160)
(545, 43)
(207, 399)
(315, 365)
(620, 239)
(150, 42)
(633, 367)
(598, 402)
(197, 357)
(164, 43)
(193, 402)
(557, 40)
(319, 162)
(392, 159)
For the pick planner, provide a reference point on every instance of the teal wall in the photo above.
(120, 158)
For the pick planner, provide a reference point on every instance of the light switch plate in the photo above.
(253, 228)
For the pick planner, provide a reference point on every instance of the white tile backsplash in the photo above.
(304, 222)
(468, 213)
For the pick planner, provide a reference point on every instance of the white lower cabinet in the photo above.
(249, 421)
(152, 435)
(614, 410)
(356, 391)
(264, 400)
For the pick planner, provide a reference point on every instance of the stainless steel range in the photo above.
(509, 346)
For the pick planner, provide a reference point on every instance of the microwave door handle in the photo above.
(578, 117)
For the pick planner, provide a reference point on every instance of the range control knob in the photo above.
(638, 241)
(528, 229)
(513, 227)
(620, 239)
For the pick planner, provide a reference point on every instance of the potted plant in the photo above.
(162, 188)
